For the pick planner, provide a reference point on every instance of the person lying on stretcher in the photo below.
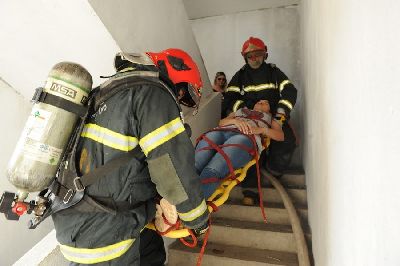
(233, 135)
(211, 165)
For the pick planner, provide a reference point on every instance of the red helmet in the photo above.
(182, 71)
(253, 44)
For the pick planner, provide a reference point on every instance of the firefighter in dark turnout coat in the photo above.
(134, 113)
(255, 81)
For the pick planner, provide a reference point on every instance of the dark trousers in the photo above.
(152, 251)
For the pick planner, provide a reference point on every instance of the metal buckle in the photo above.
(36, 96)
(68, 196)
(78, 184)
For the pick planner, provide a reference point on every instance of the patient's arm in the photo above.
(243, 126)
(275, 132)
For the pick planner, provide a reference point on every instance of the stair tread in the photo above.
(272, 195)
(290, 178)
(287, 186)
(242, 253)
(269, 188)
(294, 171)
(261, 226)
(250, 225)
(292, 188)
(272, 205)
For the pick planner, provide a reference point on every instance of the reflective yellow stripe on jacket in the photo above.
(193, 214)
(260, 87)
(283, 84)
(236, 105)
(96, 255)
(287, 103)
(233, 88)
(109, 138)
(161, 135)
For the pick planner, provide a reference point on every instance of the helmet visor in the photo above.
(188, 95)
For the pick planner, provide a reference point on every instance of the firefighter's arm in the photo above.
(288, 94)
(232, 96)
(170, 155)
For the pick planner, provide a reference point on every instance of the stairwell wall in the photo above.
(351, 120)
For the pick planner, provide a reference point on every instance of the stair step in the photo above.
(275, 212)
(252, 234)
(290, 180)
(298, 195)
(221, 254)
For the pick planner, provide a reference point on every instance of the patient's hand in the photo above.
(259, 130)
(243, 126)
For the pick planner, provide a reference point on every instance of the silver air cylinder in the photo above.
(37, 155)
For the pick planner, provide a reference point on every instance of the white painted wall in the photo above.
(210, 8)
(352, 122)
(35, 35)
(220, 39)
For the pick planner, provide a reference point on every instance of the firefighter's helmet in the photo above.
(182, 71)
(253, 44)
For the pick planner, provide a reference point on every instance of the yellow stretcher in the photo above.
(219, 197)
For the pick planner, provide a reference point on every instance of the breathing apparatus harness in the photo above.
(67, 191)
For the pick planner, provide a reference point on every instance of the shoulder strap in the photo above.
(44, 97)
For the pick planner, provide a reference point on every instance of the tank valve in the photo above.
(13, 207)
(6, 206)
(20, 208)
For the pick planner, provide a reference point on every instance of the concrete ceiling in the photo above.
(208, 8)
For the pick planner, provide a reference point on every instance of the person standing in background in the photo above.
(219, 82)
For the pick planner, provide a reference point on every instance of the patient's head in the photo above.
(262, 106)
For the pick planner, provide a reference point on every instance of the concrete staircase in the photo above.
(240, 237)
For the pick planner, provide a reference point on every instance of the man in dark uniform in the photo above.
(255, 81)
(135, 116)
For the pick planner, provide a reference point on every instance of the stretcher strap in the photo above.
(232, 174)
(223, 154)
(220, 196)
(203, 247)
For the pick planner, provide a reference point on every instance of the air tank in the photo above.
(38, 152)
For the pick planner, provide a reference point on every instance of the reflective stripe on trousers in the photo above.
(96, 255)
